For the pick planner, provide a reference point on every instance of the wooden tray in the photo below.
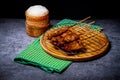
(96, 44)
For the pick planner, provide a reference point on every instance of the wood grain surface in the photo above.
(95, 42)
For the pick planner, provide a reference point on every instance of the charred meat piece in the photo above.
(69, 36)
(66, 39)
(58, 32)
(57, 41)
(73, 46)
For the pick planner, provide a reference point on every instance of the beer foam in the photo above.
(37, 10)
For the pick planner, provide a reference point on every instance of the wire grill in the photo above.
(92, 40)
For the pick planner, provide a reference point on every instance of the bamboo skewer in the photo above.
(91, 22)
(84, 19)
(88, 23)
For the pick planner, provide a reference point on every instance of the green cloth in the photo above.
(36, 56)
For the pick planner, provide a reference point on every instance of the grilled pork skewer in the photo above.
(68, 38)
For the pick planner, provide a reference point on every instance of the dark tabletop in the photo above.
(13, 39)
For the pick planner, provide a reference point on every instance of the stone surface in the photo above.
(13, 39)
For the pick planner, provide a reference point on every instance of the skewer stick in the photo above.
(84, 19)
(89, 23)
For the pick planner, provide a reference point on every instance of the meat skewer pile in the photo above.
(78, 42)
(68, 38)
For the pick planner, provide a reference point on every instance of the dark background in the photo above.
(13, 39)
(59, 9)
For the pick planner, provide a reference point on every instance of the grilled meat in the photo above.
(58, 32)
(73, 46)
(69, 36)
(67, 39)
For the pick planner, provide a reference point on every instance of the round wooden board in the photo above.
(50, 49)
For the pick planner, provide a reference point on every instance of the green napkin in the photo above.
(36, 56)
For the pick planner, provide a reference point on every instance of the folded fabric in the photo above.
(36, 56)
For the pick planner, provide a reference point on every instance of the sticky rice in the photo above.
(37, 10)
(37, 20)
